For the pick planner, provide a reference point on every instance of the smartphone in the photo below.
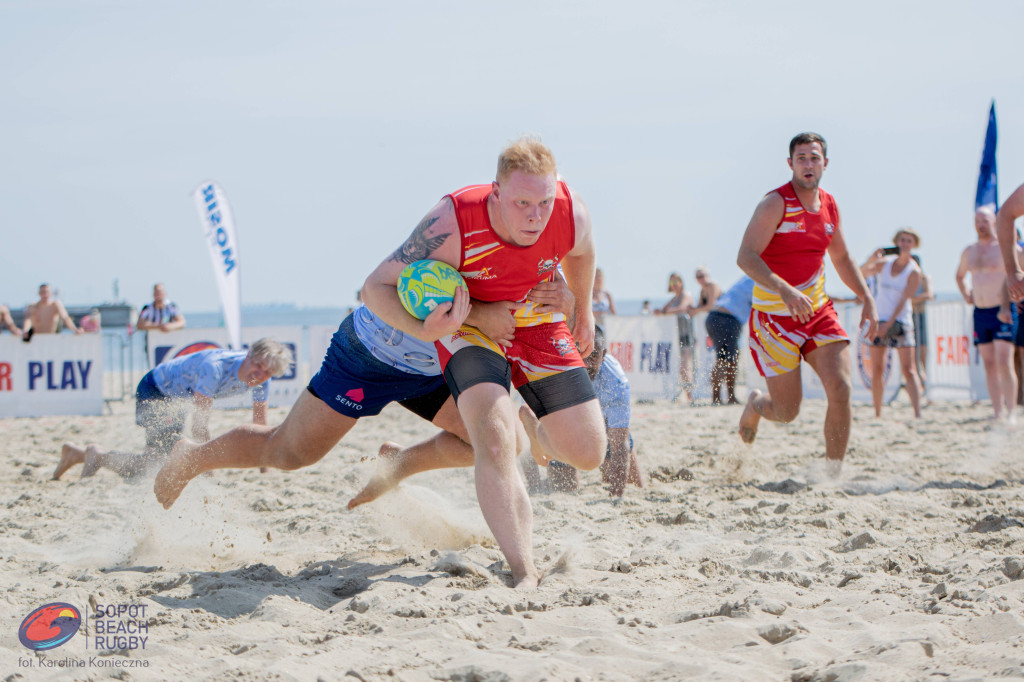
(895, 250)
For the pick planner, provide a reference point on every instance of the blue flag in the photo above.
(988, 188)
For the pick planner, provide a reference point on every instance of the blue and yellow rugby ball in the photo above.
(426, 284)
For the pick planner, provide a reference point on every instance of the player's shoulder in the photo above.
(611, 367)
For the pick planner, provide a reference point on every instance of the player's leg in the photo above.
(987, 352)
(1003, 352)
(308, 433)
(489, 414)
(447, 449)
(877, 355)
(832, 363)
(70, 455)
(780, 404)
(911, 381)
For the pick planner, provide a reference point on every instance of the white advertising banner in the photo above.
(954, 368)
(219, 228)
(647, 347)
(284, 391)
(54, 374)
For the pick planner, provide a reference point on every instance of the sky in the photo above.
(334, 126)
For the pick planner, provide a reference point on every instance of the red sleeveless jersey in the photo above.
(496, 270)
(796, 252)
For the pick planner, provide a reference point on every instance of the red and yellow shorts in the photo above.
(777, 342)
(536, 353)
(543, 364)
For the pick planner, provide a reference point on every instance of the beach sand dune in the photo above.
(736, 562)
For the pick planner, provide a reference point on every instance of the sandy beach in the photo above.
(735, 562)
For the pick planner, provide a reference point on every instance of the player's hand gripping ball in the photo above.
(426, 284)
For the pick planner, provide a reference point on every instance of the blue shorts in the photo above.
(1019, 341)
(988, 328)
(162, 417)
(356, 384)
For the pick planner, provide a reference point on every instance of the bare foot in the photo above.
(530, 581)
(750, 418)
(70, 455)
(531, 424)
(833, 467)
(175, 473)
(93, 461)
(384, 478)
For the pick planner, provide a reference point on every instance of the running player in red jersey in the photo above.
(506, 238)
(783, 251)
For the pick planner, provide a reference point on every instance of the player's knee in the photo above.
(289, 456)
(589, 450)
(839, 390)
(786, 413)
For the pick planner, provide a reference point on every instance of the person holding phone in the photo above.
(897, 279)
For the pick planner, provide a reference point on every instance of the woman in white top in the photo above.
(897, 278)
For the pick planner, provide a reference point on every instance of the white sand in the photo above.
(756, 569)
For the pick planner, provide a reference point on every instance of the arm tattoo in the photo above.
(419, 245)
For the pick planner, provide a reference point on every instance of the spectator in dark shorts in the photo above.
(680, 305)
(724, 325)
(188, 384)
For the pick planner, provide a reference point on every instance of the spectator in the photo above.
(724, 324)
(646, 308)
(709, 293)
(90, 322)
(602, 301)
(45, 315)
(897, 277)
(161, 314)
(172, 389)
(995, 320)
(680, 305)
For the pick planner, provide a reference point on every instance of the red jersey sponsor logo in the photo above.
(547, 265)
(563, 346)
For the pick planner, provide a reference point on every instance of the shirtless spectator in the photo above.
(995, 320)
(161, 314)
(43, 316)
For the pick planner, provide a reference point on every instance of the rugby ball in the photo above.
(426, 284)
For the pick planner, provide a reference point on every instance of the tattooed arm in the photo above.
(436, 237)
